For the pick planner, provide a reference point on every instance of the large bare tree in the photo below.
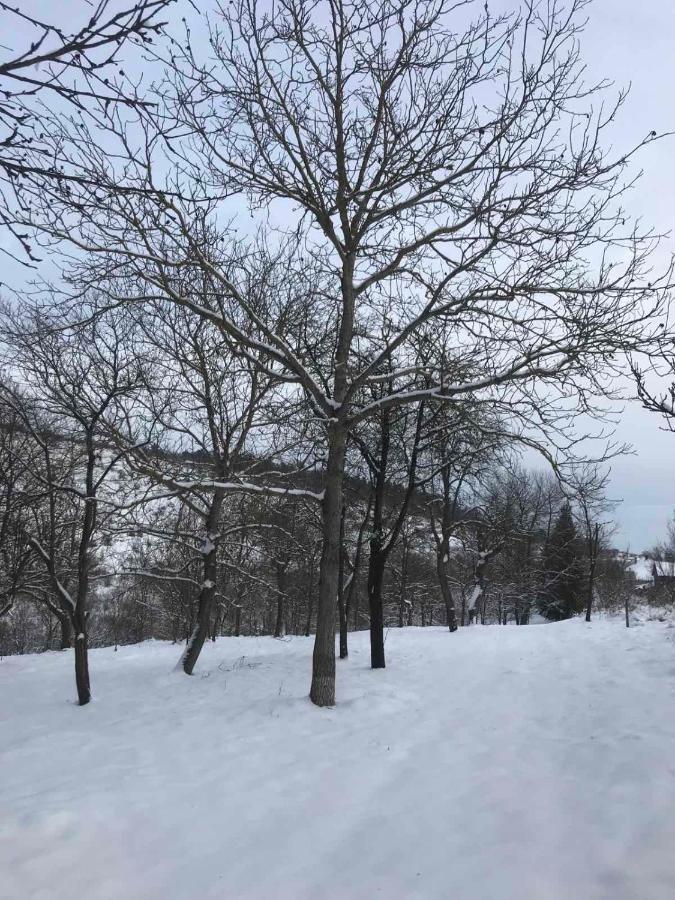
(415, 164)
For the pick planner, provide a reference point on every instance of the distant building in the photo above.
(661, 579)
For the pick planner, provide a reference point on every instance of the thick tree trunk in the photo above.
(322, 691)
(376, 568)
(209, 551)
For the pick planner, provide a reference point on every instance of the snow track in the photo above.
(532, 763)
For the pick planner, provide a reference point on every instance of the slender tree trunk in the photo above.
(446, 590)
(81, 659)
(403, 585)
(207, 591)
(237, 621)
(353, 596)
(357, 610)
(344, 642)
(280, 623)
(342, 604)
(378, 558)
(310, 609)
(594, 546)
(322, 691)
(66, 641)
(376, 568)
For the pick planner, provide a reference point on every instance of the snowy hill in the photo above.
(531, 763)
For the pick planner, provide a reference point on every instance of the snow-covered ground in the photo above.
(533, 763)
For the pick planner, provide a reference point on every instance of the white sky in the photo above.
(628, 43)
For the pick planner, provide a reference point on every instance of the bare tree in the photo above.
(433, 167)
(68, 385)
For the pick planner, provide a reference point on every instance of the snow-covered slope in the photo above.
(533, 763)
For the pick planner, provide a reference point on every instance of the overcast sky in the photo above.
(632, 43)
(628, 43)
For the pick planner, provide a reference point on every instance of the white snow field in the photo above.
(532, 763)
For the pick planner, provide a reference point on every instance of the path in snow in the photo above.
(509, 763)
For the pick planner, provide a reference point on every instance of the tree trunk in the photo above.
(81, 660)
(280, 623)
(310, 610)
(342, 604)
(403, 585)
(376, 567)
(594, 545)
(207, 591)
(446, 591)
(357, 611)
(66, 641)
(322, 691)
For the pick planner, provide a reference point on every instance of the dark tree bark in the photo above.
(376, 567)
(280, 621)
(403, 586)
(66, 641)
(322, 691)
(442, 556)
(342, 601)
(381, 546)
(81, 660)
(209, 551)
